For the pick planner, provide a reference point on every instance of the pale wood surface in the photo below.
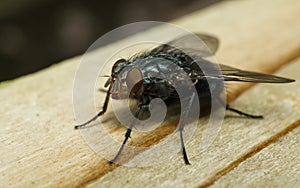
(40, 148)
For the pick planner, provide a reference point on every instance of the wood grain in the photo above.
(40, 148)
(275, 166)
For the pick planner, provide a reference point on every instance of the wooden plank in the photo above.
(40, 148)
(275, 166)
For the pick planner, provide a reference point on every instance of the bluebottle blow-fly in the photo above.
(147, 66)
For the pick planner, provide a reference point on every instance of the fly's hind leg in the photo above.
(238, 111)
(243, 113)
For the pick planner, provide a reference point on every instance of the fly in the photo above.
(136, 78)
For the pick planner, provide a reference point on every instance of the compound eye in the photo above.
(134, 79)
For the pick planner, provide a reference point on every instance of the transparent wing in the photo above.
(233, 74)
(205, 45)
(219, 71)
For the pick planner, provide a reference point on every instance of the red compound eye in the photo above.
(134, 79)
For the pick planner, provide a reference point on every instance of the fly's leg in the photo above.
(243, 113)
(104, 108)
(238, 111)
(128, 132)
(181, 126)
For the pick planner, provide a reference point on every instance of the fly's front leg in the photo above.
(104, 108)
(129, 129)
(238, 111)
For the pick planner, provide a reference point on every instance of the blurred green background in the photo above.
(37, 33)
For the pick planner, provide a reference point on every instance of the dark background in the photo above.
(37, 33)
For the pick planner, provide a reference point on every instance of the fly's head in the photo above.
(125, 81)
